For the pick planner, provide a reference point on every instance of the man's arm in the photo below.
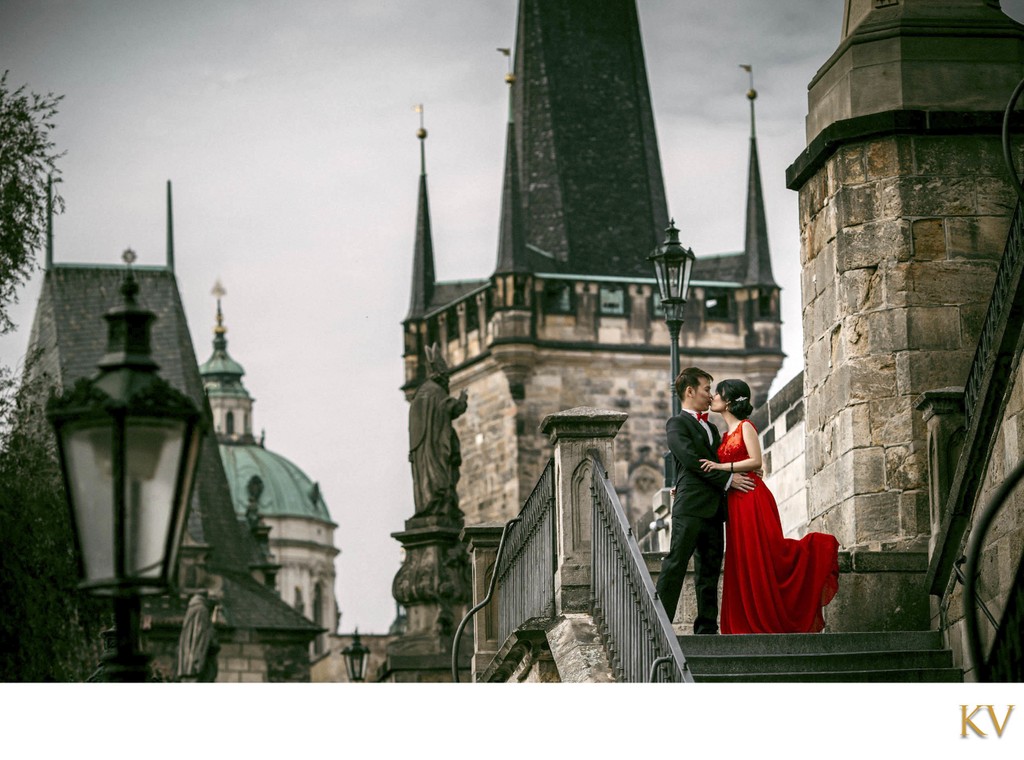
(683, 447)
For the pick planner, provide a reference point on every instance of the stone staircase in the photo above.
(888, 656)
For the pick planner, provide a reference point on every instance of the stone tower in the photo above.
(904, 212)
(569, 316)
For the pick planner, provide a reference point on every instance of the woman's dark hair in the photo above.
(737, 394)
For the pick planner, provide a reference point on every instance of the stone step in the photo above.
(877, 656)
(807, 643)
(821, 662)
(931, 675)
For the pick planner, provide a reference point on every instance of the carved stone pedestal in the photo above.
(433, 584)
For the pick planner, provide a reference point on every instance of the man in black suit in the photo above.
(699, 507)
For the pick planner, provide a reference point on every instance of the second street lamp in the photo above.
(355, 658)
(128, 444)
(673, 265)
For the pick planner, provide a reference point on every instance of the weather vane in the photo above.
(218, 292)
(751, 93)
(421, 132)
(509, 76)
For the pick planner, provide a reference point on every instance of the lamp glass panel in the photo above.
(675, 276)
(659, 273)
(87, 454)
(152, 457)
(684, 285)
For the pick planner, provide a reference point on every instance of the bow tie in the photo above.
(702, 416)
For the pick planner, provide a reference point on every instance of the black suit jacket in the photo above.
(698, 493)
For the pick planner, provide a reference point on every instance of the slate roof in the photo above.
(589, 171)
(69, 336)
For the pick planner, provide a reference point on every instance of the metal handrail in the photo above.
(527, 599)
(526, 575)
(1014, 250)
(637, 632)
(962, 578)
(483, 603)
(974, 547)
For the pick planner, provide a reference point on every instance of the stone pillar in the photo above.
(483, 540)
(574, 434)
(433, 584)
(943, 413)
(904, 210)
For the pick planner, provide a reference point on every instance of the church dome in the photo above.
(282, 489)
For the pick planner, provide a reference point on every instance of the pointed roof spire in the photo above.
(587, 146)
(759, 263)
(423, 278)
(49, 222)
(511, 240)
(220, 371)
(170, 230)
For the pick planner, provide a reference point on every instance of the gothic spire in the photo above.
(423, 253)
(759, 263)
(592, 193)
(170, 232)
(511, 241)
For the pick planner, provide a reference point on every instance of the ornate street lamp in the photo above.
(355, 658)
(128, 444)
(673, 265)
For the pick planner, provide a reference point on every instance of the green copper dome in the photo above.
(283, 490)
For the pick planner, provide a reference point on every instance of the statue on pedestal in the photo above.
(434, 450)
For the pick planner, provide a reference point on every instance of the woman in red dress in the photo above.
(770, 584)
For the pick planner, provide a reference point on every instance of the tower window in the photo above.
(717, 303)
(229, 423)
(558, 298)
(612, 300)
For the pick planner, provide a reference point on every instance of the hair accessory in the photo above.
(741, 398)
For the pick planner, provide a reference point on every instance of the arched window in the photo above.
(299, 605)
(229, 423)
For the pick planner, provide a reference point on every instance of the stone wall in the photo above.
(1004, 542)
(781, 424)
(900, 239)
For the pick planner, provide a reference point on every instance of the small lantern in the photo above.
(128, 445)
(673, 265)
(355, 658)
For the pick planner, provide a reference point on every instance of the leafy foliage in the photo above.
(27, 164)
(49, 631)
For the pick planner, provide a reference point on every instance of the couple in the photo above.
(772, 584)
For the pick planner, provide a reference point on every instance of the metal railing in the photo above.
(997, 350)
(637, 633)
(457, 639)
(1005, 662)
(526, 574)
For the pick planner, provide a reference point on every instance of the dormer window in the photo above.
(717, 304)
(612, 300)
(558, 298)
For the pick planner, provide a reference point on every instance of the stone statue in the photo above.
(197, 645)
(433, 443)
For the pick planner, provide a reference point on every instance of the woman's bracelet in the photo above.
(731, 470)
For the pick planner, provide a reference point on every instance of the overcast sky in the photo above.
(288, 131)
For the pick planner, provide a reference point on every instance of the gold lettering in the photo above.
(965, 721)
(992, 714)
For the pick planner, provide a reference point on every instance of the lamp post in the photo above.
(355, 658)
(673, 265)
(128, 444)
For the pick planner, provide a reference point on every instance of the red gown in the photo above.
(771, 584)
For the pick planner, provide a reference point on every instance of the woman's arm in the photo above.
(750, 464)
